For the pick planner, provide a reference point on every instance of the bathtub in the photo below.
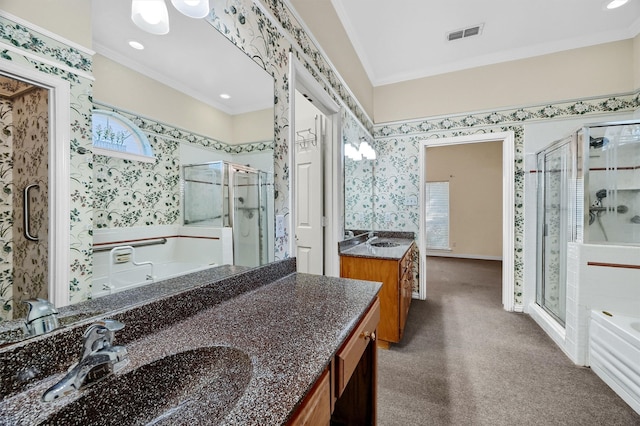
(137, 276)
(614, 352)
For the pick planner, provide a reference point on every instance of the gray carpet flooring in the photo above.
(465, 361)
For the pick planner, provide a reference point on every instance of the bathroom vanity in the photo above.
(264, 346)
(386, 258)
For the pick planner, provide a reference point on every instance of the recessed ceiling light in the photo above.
(225, 96)
(136, 45)
(614, 4)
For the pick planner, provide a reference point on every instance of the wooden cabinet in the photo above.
(395, 296)
(316, 407)
(346, 393)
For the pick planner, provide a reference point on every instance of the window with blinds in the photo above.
(437, 215)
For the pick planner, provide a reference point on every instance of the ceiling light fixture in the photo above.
(225, 96)
(136, 45)
(614, 4)
(192, 8)
(152, 15)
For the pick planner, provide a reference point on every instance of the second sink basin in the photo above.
(385, 244)
(198, 386)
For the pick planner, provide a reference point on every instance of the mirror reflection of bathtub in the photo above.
(173, 251)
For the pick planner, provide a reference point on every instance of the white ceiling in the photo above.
(404, 40)
(193, 58)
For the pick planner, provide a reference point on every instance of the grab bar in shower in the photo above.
(27, 218)
(139, 243)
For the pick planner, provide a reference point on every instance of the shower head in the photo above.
(601, 194)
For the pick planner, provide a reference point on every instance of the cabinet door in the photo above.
(315, 410)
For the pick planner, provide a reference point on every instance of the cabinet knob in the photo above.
(369, 335)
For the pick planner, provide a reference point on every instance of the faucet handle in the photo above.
(100, 335)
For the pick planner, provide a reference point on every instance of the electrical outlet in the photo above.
(279, 226)
(388, 217)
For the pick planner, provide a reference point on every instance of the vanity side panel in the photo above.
(386, 272)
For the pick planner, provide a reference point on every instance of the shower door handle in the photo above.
(27, 219)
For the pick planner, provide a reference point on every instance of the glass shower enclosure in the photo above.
(224, 194)
(588, 192)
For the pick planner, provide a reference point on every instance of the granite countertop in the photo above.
(356, 247)
(11, 331)
(287, 330)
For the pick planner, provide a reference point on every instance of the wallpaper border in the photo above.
(512, 115)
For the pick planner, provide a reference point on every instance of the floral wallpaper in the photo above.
(31, 50)
(6, 210)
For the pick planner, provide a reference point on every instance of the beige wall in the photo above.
(330, 34)
(69, 18)
(122, 87)
(474, 173)
(597, 70)
(254, 126)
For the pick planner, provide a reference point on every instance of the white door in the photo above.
(309, 196)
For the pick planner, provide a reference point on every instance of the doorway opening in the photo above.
(505, 141)
(316, 183)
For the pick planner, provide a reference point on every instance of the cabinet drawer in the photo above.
(316, 407)
(349, 355)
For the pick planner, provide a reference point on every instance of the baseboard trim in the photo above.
(464, 256)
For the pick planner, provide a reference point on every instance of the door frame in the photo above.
(59, 173)
(508, 209)
(300, 78)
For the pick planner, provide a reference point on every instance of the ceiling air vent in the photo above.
(466, 32)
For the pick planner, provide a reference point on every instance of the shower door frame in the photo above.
(232, 169)
(568, 228)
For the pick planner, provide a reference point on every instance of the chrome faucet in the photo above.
(42, 317)
(372, 237)
(98, 360)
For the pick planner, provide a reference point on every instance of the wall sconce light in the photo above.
(367, 151)
(351, 152)
(364, 151)
(152, 15)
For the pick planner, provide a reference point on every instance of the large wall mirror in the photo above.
(358, 188)
(172, 89)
